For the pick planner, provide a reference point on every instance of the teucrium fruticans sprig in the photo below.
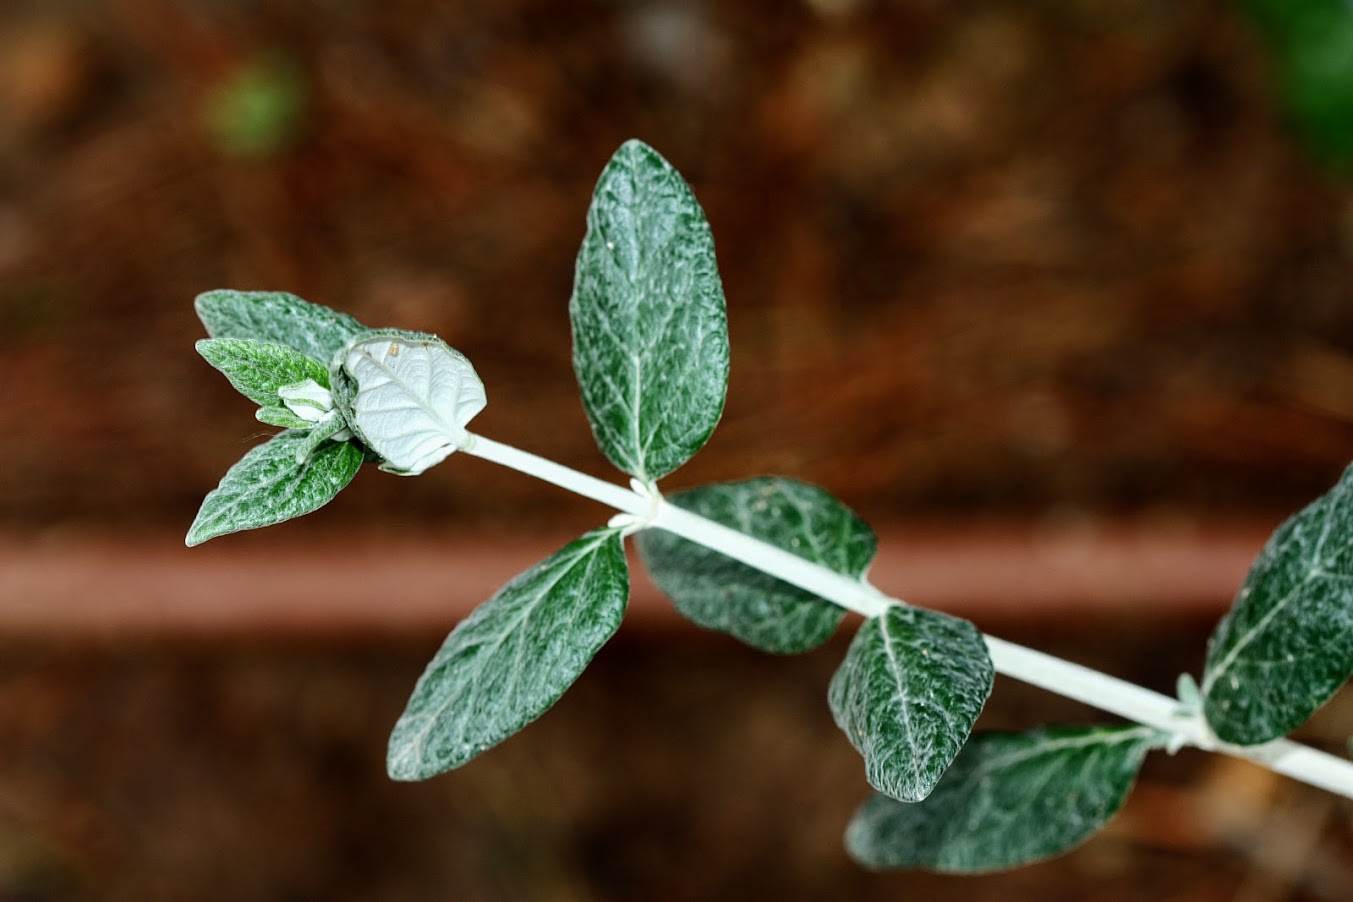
(771, 561)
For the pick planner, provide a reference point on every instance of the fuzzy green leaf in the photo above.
(1009, 799)
(650, 333)
(277, 415)
(722, 594)
(1286, 646)
(511, 659)
(268, 486)
(258, 369)
(907, 695)
(278, 318)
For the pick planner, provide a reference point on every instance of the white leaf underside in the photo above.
(414, 399)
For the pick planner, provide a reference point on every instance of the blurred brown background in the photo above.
(1000, 275)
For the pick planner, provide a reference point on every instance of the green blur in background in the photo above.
(1312, 44)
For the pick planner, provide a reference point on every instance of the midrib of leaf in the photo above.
(898, 678)
(640, 446)
(431, 716)
(448, 431)
(632, 395)
(1104, 738)
(282, 473)
(1315, 572)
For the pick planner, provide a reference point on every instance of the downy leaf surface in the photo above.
(414, 396)
(511, 659)
(269, 485)
(907, 696)
(650, 333)
(1286, 646)
(278, 318)
(258, 369)
(722, 594)
(1009, 799)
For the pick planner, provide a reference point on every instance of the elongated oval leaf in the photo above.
(1009, 799)
(1286, 645)
(268, 485)
(722, 594)
(907, 695)
(278, 415)
(650, 333)
(258, 369)
(279, 318)
(510, 660)
(414, 396)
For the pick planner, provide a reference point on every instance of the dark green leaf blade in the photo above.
(1286, 646)
(278, 318)
(907, 696)
(258, 369)
(722, 594)
(1009, 799)
(268, 486)
(650, 332)
(512, 659)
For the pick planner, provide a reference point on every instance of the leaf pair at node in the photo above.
(651, 355)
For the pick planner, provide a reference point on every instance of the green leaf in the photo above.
(268, 486)
(650, 334)
(277, 415)
(722, 594)
(278, 318)
(907, 695)
(258, 369)
(511, 659)
(1286, 645)
(414, 396)
(1009, 799)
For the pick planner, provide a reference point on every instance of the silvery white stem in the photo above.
(1065, 678)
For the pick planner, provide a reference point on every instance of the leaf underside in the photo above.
(907, 696)
(278, 318)
(1286, 646)
(722, 594)
(268, 485)
(1008, 800)
(650, 332)
(511, 659)
(415, 394)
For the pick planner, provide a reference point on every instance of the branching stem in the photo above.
(1065, 678)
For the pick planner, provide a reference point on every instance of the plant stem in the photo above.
(1065, 678)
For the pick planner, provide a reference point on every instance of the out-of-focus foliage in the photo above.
(1312, 42)
(256, 110)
